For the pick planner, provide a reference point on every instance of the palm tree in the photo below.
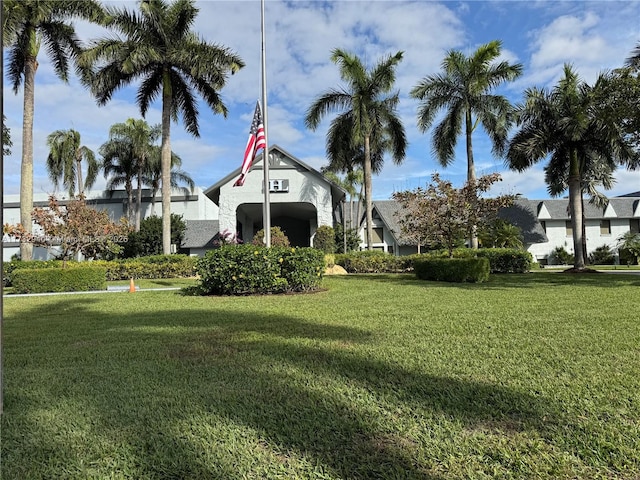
(368, 116)
(26, 25)
(464, 90)
(158, 46)
(566, 125)
(141, 136)
(120, 168)
(152, 175)
(64, 162)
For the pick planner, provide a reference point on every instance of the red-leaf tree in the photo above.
(73, 228)
(444, 215)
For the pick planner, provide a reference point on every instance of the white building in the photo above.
(302, 199)
(545, 225)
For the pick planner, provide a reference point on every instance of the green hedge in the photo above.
(373, 262)
(457, 270)
(155, 266)
(507, 260)
(71, 279)
(250, 269)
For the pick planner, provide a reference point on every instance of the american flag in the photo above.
(256, 142)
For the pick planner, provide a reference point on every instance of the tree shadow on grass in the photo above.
(509, 280)
(163, 393)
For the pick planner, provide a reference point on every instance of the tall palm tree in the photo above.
(120, 169)
(152, 175)
(158, 47)
(141, 136)
(464, 89)
(64, 162)
(565, 125)
(368, 115)
(26, 25)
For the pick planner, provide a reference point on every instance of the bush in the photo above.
(73, 279)
(353, 239)
(278, 238)
(559, 256)
(370, 261)
(302, 268)
(8, 268)
(154, 266)
(251, 269)
(457, 270)
(507, 260)
(324, 239)
(602, 255)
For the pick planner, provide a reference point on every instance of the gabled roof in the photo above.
(213, 192)
(524, 214)
(387, 210)
(200, 233)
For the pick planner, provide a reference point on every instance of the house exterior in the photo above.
(545, 225)
(191, 205)
(301, 199)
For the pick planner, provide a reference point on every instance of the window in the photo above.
(569, 228)
(377, 236)
(634, 225)
(605, 227)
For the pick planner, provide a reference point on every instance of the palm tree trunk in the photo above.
(165, 153)
(154, 192)
(129, 188)
(139, 198)
(471, 176)
(79, 173)
(26, 168)
(576, 210)
(367, 191)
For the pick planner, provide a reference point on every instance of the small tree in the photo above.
(443, 214)
(631, 243)
(353, 239)
(278, 238)
(148, 241)
(324, 239)
(501, 234)
(74, 228)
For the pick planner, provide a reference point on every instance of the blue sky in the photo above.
(542, 35)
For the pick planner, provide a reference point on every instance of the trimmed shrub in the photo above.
(278, 238)
(74, 279)
(507, 260)
(302, 268)
(324, 239)
(10, 267)
(155, 266)
(251, 269)
(372, 261)
(457, 270)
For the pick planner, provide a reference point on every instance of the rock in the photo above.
(335, 270)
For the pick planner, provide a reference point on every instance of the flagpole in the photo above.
(266, 207)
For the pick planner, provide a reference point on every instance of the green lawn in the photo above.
(377, 377)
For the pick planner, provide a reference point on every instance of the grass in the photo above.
(379, 376)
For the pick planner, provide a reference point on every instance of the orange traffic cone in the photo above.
(132, 286)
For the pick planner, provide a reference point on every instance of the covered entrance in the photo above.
(297, 220)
